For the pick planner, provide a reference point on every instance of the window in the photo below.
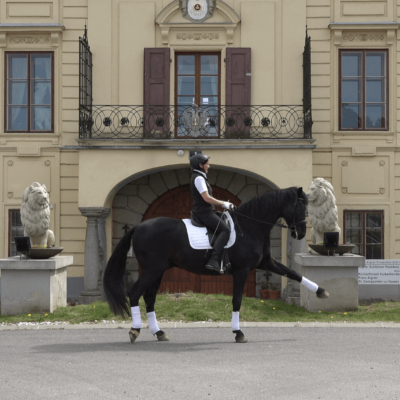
(365, 230)
(197, 80)
(363, 93)
(29, 92)
(15, 228)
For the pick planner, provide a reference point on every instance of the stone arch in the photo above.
(133, 199)
(164, 170)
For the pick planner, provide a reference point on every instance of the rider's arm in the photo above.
(201, 186)
(208, 199)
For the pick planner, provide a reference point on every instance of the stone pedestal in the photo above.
(338, 275)
(33, 286)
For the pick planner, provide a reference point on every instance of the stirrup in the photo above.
(215, 266)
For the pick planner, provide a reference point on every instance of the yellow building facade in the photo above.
(109, 137)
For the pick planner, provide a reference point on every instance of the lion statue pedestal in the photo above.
(322, 210)
(35, 215)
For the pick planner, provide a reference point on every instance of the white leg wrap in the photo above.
(309, 285)
(235, 321)
(153, 326)
(136, 318)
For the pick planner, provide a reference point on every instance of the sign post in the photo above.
(379, 272)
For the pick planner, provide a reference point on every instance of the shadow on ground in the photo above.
(142, 346)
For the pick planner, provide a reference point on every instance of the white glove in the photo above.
(228, 206)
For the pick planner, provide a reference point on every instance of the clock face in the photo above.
(197, 9)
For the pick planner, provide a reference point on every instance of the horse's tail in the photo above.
(113, 281)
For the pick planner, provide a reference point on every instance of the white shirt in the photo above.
(200, 182)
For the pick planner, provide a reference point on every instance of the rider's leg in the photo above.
(222, 230)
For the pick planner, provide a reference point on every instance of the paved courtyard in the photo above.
(277, 363)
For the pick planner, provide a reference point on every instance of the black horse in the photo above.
(162, 243)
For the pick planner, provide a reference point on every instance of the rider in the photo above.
(203, 207)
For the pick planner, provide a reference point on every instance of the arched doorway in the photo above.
(177, 203)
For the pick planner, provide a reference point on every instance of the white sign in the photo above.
(379, 272)
(197, 9)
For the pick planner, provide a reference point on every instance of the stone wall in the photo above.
(132, 201)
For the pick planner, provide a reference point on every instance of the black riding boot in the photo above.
(213, 263)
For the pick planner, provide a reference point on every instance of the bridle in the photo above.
(292, 227)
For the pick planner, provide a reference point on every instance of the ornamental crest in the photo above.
(194, 120)
(197, 10)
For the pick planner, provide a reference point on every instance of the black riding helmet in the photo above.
(198, 159)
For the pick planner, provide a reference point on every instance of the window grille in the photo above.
(15, 229)
(85, 87)
(307, 87)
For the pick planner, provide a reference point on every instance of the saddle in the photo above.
(211, 238)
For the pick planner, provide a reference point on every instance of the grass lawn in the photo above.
(200, 307)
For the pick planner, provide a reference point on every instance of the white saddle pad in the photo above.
(198, 237)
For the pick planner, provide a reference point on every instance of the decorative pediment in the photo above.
(172, 16)
(378, 33)
(180, 6)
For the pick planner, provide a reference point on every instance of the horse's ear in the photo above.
(299, 191)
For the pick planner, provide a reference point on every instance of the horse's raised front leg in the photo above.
(239, 280)
(280, 269)
(150, 299)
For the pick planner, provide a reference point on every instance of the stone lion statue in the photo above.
(322, 209)
(35, 215)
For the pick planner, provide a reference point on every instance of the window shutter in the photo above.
(238, 76)
(156, 120)
(238, 93)
(156, 76)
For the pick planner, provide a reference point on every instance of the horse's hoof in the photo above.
(162, 337)
(133, 335)
(322, 293)
(240, 339)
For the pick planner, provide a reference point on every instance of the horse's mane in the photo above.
(268, 201)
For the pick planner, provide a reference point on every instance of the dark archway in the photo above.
(177, 203)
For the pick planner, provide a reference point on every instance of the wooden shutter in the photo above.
(156, 76)
(238, 76)
(156, 120)
(238, 93)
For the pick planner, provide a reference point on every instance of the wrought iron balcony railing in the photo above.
(206, 121)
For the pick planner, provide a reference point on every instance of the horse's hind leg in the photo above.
(140, 286)
(239, 280)
(280, 269)
(150, 299)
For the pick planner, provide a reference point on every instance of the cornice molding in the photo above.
(31, 27)
(382, 26)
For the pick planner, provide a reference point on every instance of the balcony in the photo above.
(194, 122)
(163, 122)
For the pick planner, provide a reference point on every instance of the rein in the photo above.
(292, 228)
(262, 222)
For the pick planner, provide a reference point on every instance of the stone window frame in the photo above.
(363, 51)
(29, 78)
(365, 35)
(364, 212)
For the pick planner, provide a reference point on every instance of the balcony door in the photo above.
(198, 81)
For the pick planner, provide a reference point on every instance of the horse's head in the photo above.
(296, 215)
